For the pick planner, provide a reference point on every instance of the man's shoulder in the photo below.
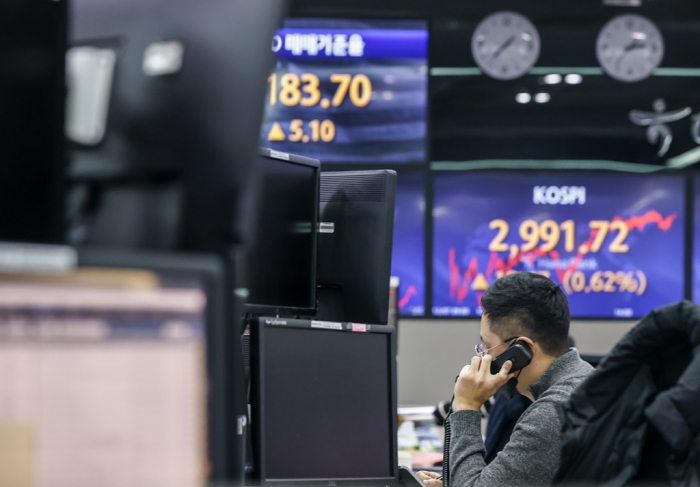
(543, 407)
(543, 411)
(561, 390)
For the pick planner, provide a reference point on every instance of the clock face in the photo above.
(505, 45)
(629, 48)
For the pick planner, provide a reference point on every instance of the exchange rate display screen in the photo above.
(349, 91)
(408, 255)
(615, 243)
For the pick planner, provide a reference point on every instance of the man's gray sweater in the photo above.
(532, 456)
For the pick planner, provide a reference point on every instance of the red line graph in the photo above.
(460, 282)
(410, 292)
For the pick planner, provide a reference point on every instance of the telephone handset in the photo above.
(520, 355)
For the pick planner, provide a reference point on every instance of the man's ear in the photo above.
(533, 345)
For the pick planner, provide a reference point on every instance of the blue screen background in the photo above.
(408, 255)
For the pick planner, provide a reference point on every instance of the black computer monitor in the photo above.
(354, 262)
(115, 368)
(324, 403)
(280, 262)
(168, 97)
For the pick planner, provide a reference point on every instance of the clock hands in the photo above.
(629, 48)
(504, 46)
(635, 44)
(632, 46)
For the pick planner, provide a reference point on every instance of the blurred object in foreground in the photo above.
(103, 371)
(32, 93)
(165, 108)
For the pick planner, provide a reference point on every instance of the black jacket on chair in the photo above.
(637, 416)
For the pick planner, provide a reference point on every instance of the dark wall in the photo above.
(475, 117)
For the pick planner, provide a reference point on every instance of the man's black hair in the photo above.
(530, 305)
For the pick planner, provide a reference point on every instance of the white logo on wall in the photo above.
(658, 131)
(559, 195)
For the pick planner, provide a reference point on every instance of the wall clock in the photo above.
(629, 48)
(505, 45)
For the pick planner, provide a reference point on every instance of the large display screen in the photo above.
(349, 91)
(615, 243)
(408, 255)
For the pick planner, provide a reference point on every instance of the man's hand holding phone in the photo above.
(475, 384)
(430, 479)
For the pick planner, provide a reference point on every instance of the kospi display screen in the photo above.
(408, 255)
(349, 91)
(615, 243)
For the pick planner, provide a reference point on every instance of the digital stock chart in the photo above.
(613, 243)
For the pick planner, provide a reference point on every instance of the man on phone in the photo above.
(529, 312)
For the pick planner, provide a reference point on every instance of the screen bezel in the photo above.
(258, 332)
(310, 310)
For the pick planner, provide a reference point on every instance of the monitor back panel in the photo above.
(354, 262)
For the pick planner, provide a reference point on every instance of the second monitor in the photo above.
(354, 261)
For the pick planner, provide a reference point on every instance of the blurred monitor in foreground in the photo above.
(103, 373)
(32, 100)
(164, 108)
